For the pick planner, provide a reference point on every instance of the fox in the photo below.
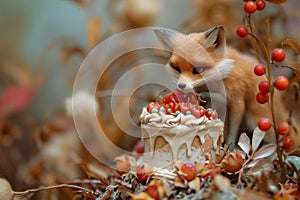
(200, 60)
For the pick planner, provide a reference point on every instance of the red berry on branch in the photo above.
(288, 142)
(262, 98)
(189, 171)
(264, 124)
(278, 55)
(260, 4)
(259, 70)
(242, 31)
(250, 7)
(281, 83)
(264, 86)
(283, 128)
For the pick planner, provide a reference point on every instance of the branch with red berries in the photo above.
(262, 45)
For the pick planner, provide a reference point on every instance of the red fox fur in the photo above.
(203, 59)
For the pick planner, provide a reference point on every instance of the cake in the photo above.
(177, 128)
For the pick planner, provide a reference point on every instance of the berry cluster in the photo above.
(178, 102)
(280, 83)
(250, 7)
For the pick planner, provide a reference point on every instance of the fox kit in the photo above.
(202, 59)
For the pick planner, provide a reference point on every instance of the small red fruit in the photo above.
(242, 31)
(191, 98)
(264, 86)
(179, 95)
(152, 105)
(152, 190)
(287, 142)
(211, 114)
(283, 128)
(264, 124)
(259, 69)
(278, 55)
(143, 172)
(262, 98)
(232, 162)
(260, 4)
(139, 147)
(250, 7)
(281, 83)
(189, 171)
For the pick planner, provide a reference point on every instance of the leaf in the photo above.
(263, 165)
(244, 143)
(260, 47)
(265, 151)
(277, 1)
(293, 44)
(257, 137)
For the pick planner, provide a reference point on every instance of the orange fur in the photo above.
(241, 84)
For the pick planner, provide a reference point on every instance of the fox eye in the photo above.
(177, 69)
(199, 70)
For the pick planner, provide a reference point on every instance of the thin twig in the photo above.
(26, 192)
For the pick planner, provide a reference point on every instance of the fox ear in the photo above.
(167, 37)
(216, 37)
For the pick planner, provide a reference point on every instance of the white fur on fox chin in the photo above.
(219, 72)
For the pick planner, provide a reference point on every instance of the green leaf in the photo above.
(277, 1)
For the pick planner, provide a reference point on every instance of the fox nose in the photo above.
(181, 85)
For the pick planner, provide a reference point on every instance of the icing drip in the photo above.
(178, 130)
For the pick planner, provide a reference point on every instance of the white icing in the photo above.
(177, 130)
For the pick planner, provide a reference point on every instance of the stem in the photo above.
(26, 192)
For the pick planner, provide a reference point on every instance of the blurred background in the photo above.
(42, 44)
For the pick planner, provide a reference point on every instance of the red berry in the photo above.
(191, 98)
(260, 4)
(152, 190)
(152, 105)
(170, 98)
(287, 142)
(179, 95)
(196, 113)
(278, 55)
(183, 108)
(211, 114)
(189, 171)
(262, 98)
(281, 83)
(139, 147)
(232, 162)
(171, 106)
(283, 128)
(242, 31)
(259, 69)
(250, 7)
(264, 86)
(143, 171)
(264, 124)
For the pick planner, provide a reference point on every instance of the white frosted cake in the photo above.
(171, 136)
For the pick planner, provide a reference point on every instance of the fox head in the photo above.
(197, 58)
